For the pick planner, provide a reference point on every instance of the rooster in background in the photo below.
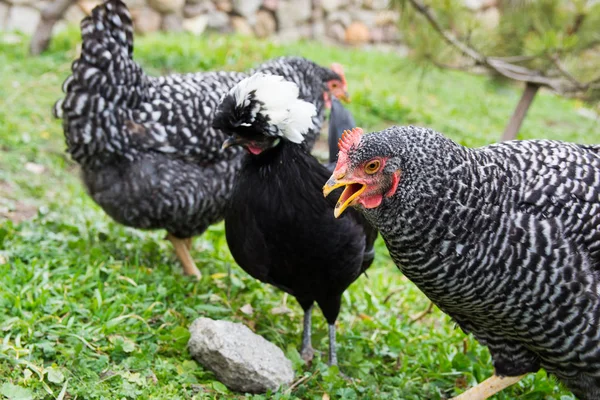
(279, 227)
(504, 238)
(148, 153)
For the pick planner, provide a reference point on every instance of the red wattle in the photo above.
(371, 201)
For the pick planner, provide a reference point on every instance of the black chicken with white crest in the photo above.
(147, 150)
(279, 227)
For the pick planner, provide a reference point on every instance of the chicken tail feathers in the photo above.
(105, 83)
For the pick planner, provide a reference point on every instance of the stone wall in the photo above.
(354, 22)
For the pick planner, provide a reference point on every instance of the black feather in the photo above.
(340, 119)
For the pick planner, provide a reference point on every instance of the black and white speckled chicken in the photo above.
(149, 155)
(279, 227)
(504, 238)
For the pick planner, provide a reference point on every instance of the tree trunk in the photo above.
(51, 14)
(510, 133)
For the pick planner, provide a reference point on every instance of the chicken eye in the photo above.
(372, 167)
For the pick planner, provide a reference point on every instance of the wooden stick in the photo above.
(51, 14)
(489, 387)
(512, 129)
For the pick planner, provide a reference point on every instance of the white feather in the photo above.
(281, 104)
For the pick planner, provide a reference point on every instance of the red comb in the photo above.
(339, 69)
(349, 139)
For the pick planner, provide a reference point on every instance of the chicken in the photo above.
(148, 154)
(504, 238)
(278, 226)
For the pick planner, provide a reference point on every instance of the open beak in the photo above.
(351, 192)
(232, 141)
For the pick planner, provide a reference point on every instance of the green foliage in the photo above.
(93, 310)
(548, 35)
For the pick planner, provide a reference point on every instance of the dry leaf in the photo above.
(247, 309)
(37, 169)
(280, 310)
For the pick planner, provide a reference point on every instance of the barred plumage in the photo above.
(149, 155)
(504, 238)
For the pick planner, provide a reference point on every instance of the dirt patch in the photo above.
(16, 211)
(21, 212)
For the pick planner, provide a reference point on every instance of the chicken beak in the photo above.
(231, 141)
(345, 97)
(351, 192)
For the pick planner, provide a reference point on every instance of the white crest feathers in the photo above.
(280, 103)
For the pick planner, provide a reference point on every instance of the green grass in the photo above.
(93, 310)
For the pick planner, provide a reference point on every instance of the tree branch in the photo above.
(564, 83)
(50, 16)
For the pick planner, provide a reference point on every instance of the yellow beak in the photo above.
(348, 195)
(345, 98)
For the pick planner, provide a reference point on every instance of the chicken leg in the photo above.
(307, 352)
(182, 247)
(332, 349)
(489, 387)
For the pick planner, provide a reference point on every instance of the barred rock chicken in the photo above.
(279, 227)
(148, 153)
(504, 238)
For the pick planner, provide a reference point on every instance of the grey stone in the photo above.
(265, 24)
(318, 29)
(377, 35)
(387, 17)
(146, 20)
(195, 25)
(21, 2)
(331, 5)
(391, 34)
(342, 17)
(291, 12)
(294, 34)
(166, 6)
(367, 17)
(273, 4)
(247, 8)
(191, 10)
(41, 4)
(241, 26)
(74, 15)
(172, 23)
(224, 5)
(23, 18)
(3, 15)
(218, 20)
(135, 4)
(336, 31)
(241, 359)
(376, 4)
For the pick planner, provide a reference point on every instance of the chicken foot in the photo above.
(307, 352)
(489, 387)
(182, 249)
